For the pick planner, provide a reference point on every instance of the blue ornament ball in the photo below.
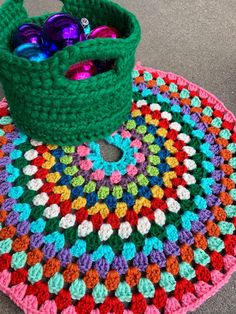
(32, 52)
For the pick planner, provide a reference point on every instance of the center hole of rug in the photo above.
(110, 152)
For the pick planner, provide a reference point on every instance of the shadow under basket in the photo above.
(51, 108)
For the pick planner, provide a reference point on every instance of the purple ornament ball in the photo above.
(104, 32)
(81, 70)
(27, 34)
(63, 30)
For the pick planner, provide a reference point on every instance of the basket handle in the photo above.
(19, 3)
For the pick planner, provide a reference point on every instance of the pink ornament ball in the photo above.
(81, 70)
(104, 32)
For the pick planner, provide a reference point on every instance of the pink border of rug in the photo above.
(26, 304)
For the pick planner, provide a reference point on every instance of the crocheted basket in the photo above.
(49, 107)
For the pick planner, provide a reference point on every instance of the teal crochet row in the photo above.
(49, 107)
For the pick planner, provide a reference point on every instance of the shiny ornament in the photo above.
(31, 52)
(104, 65)
(63, 30)
(86, 26)
(104, 32)
(27, 33)
(49, 46)
(81, 71)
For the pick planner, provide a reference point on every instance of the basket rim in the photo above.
(133, 38)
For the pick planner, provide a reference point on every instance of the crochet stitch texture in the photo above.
(151, 233)
(51, 108)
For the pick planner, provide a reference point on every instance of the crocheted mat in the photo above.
(153, 232)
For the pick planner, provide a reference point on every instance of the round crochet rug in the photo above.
(153, 232)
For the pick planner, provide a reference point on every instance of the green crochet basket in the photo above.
(49, 107)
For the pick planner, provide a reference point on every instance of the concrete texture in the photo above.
(196, 39)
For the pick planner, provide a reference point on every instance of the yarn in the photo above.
(48, 106)
(152, 232)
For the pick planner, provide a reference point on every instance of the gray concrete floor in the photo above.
(193, 38)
